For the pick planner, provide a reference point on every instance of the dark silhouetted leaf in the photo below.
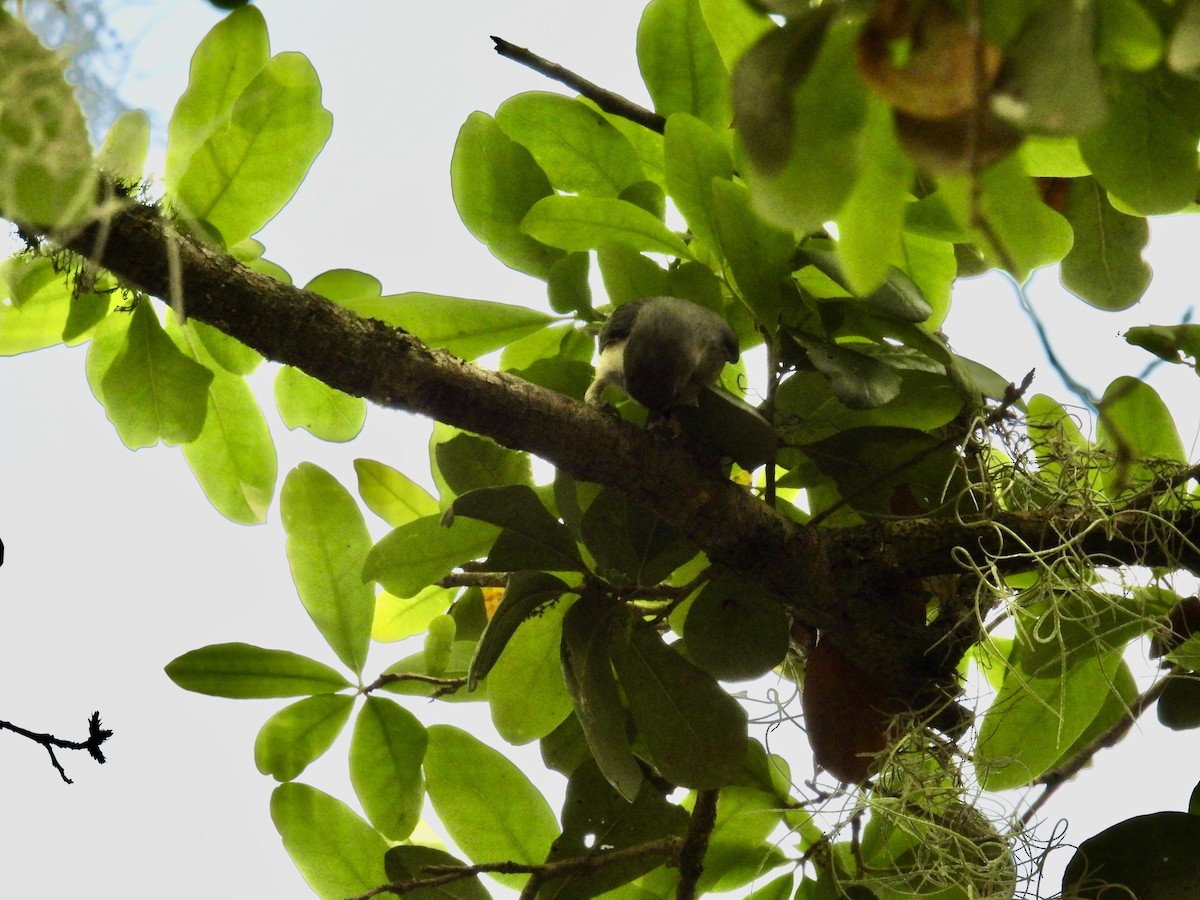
(1150, 857)
(525, 594)
(734, 631)
(628, 538)
(694, 732)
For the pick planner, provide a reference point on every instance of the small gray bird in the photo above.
(660, 351)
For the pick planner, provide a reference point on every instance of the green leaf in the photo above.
(236, 180)
(340, 285)
(694, 732)
(1052, 73)
(299, 733)
(1173, 343)
(1183, 55)
(759, 254)
(858, 380)
(573, 144)
(234, 458)
(399, 617)
(38, 310)
(590, 223)
(123, 153)
(1127, 36)
(229, 353)
(628, 275)
(338, 853)
(467, 462)
(1136, 428)
(242, 671)
(495, 181)
(1144, 153)
(737, 854)
(150, 390)
(1150, 857)
(1105, 267)
(46, 173)
(327, 546)
(467, 328)
(439, 644)
(1036, 718)
(567, 285)
(694, 155)
(386, 753)
(734, 26)
(526, 693)
(325, 412)
(871, 223)
(1030, 233)
(531, 534)
(681, 64)
(598, 821)
(224, 64)
(391, 494)
(587, 671)
(804, 143)
(488, 806)
(525, 594)
(420, 552)
(735, 632)
(631, 540)
(405, 863)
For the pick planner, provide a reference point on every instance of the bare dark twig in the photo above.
(97, 735)
(605, 99)
(695, 845)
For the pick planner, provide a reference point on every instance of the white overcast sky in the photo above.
(116, 563)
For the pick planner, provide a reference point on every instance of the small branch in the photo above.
(96, 736)
(695, 845)
(1057, 778)
(605, 99)
(668, 849)
(1079, 389)
(445, 685)
(473, 579)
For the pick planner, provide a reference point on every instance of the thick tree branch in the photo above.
(831, 578)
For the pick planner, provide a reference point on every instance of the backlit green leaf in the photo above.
(326, 547)
(1144, 152)
(526, 593)
(1105, 267)
(681, 64)
(151, 390)
(242, 671)
(1137, 430)
(123, 154)
(299, 733)
(420, 552)
(225, 62)
(467, 328)
(590, 223)
(574, 145)
(325, 412)
(526, 693)
(399, 617)
(495, 181)
(35, 304)
(490, 809)
(391, 494)
(236, 180)
(338, 853)
(386, 753)
(694, 156)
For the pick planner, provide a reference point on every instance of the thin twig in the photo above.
(97, 735)
(445, 685)
(605, 99)
(1079, 389)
